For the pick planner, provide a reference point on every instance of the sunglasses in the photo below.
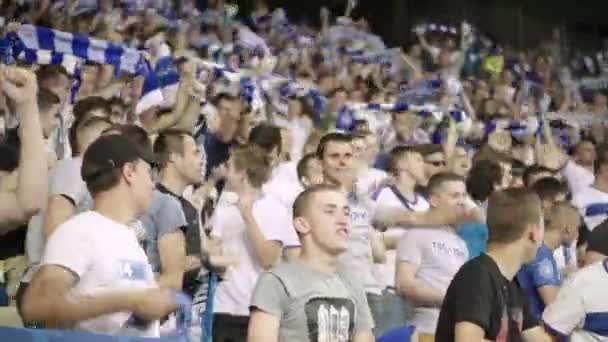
(436, 163)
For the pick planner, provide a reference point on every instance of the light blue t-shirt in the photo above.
(475, 235)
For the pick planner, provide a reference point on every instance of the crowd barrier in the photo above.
(46, 335)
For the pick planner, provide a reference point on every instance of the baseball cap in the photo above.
(110, 152)
(597, 241)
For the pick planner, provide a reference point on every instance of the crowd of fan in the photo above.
(340, 190)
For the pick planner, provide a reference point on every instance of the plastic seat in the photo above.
(403, 334)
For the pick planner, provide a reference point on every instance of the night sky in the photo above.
(520, 23)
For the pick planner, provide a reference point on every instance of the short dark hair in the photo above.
(49, 71)
(438, 180)
(487, 153)
(168, 142)
(300, 205)
(82, 113)
(534, 170)
(137, 135)
(266, 136)
(83, 108)
(428, 149)
(302, 167)
(548, 188)
(332, 137)
(116, 101)
(482, 179)
(509, 213)
(81, 124)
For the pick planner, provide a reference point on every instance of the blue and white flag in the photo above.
(46, 57)
(81, 46)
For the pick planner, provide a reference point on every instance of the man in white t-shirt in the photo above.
(94, 275)
(255, 227)
(67, 196)
(429, 259)
(578, 170)
(592, 201)
(580, 309)
(406, 166)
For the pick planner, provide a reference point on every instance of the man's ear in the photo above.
(535, 233)
(128, 172)
(301, 225)
(433, 200)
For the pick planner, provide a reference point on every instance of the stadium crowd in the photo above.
(297, 183)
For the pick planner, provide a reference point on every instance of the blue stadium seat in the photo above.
(403, 334)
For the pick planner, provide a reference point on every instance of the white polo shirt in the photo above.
(581, 307)
(593, 206)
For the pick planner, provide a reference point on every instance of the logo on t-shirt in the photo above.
(132, 270)
(511, 324)
(443, 249)
(545, 268)
(330, 319)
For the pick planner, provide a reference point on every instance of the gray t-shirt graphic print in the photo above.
(330, 319)
(312, 306)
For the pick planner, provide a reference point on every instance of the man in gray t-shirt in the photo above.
(164, 216)
(308, 299)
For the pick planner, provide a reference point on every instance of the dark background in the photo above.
(519, 23)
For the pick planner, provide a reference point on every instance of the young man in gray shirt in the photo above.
(309, 298)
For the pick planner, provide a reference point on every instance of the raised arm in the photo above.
(267, 252)
(21, 88)
(179, 110)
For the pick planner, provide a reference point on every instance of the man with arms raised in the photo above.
(483, 303)
(310, 298)
(94, 275)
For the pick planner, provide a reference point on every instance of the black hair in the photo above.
(266, 136)
(482, 179)
(332, 137)
(534, 170)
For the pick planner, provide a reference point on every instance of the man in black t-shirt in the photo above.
(483, 302)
